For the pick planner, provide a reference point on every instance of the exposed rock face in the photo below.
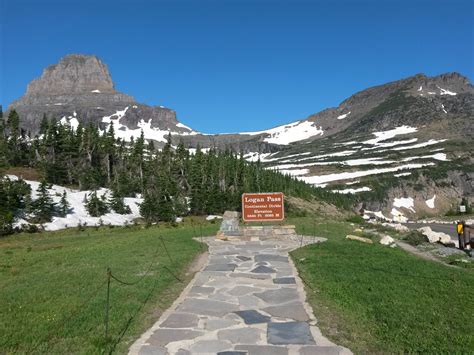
(74, 74)
(440, 108)
(82, 84)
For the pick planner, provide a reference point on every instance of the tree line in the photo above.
(172, 181)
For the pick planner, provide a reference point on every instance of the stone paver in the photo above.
(248, 299)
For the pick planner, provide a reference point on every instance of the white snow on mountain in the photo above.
(295, 172)
(406, 202)
(180, 125)
(70, 121)
(446, 92)
(436, 156)
(96, 91)
(384, 135)
(391, 144)
(320, 179)
(398, 216)
(340, 117)
(431, 202)
(420, 145)
(353, 191)
(293, 132)
(149, 132)
(402, 174)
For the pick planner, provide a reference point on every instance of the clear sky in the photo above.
(239, 65)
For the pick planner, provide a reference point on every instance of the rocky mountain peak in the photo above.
(74, 74)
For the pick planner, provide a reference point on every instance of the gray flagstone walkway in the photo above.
(248, 299)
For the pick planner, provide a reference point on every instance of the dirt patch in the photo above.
(316, 207)
(25, 173)
(198, 263)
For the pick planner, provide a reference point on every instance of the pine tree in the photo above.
(96, 206)
(3, 143)
(43, 206)
(149, 208)
(117, 203)
(63, 205)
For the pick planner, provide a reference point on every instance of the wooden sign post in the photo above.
(261, 207)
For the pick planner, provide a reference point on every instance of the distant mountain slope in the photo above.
(380, 142)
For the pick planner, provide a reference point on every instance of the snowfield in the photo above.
(431, 202)
(78, 213)
(384, 135)
(353, 191)
(293, 132)
(406, 202)
(355, 174)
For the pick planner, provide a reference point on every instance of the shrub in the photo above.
(355, 219)
(97, 206)
(415, 238)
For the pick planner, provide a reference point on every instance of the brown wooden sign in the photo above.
(263, 206)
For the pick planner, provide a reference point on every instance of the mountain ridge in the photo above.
(382, 143)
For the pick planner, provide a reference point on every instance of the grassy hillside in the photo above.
(376, 299)
(53, 286)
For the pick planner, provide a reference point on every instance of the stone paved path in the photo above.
(248, 299)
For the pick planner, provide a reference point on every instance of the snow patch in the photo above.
(149, 132)
(353, 191)
(212, 217)
(293, 132)
(431, 202)
(320, 179)
(384, 135)
(340, 117)
(402, 174)
(78, 213)
(420, 145)
(96, 91)
(295, 172)
(398, 216)
(446, 92)
(405, 202)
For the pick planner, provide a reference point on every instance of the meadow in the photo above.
(376, 299)
(53, 286)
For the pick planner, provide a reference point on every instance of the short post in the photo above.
(461, 231)
(109, 274)
(200, 230)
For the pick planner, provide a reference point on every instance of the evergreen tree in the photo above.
(43, 206)
(13, 197)
(63, 205)
(3, 143)
(149, 208)
(96, 206)
(117, 203)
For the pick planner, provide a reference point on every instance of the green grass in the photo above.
(375, 299)
(53, 286)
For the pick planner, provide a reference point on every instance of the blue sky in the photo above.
(239, 65)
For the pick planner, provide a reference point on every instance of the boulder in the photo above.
(387, 240)
(230, 224)
(360, 239)
(435, 237)
(397, 226)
